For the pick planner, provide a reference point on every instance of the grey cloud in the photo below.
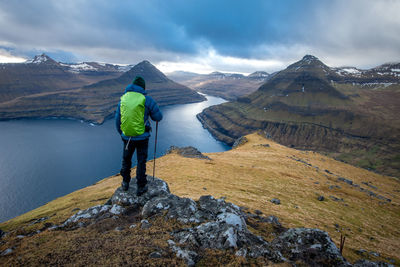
(125, 31)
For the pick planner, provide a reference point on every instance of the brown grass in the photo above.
(250, 176)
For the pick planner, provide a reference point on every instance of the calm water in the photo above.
(43, 159)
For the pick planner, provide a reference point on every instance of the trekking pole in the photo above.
(155, 150)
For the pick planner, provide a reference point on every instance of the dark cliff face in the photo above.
(302, 108)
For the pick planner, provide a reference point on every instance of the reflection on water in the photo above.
(44, 159)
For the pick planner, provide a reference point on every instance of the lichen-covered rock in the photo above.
(145, 224)
(312, 246)
(225, 229)
(183, 209)
(211, 208)
(156, 188)
(187, 152)
(367, 263)
(213, 224)
(94, 213)
(189, 256)
(116, 209)
(86, 214)
(240, 141)
(271, 219)
(215, 235)
(276, 201)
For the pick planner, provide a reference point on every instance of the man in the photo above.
(132, 123)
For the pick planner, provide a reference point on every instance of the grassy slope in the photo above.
(369, 112)
(248, 176)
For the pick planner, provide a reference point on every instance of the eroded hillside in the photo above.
(346, 113)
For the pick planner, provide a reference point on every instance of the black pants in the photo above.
(141, 148)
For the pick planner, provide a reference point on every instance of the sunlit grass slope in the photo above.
(254, 173)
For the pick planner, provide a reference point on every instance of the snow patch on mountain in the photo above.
(76, 68)
(348, 71)
(351, 70)
(38, 59)
(124, 68)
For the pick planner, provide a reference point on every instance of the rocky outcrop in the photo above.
(211, 223)
(240, 141)
(187, 152)
(312, 246)
(367, 263)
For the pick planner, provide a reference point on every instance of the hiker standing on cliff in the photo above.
(132, 121)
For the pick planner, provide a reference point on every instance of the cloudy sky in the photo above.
(203, 35)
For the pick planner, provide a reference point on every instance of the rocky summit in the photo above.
(211, 223)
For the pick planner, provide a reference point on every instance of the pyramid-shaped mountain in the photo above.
(43, 59)
(347, 112)
(308, 75)
(162, 89)
(97, 101)
(148, 71)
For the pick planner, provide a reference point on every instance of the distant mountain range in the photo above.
(348, 113)
(43, 74)
(89, 91)
(229, 86)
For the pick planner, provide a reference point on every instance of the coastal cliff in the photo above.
(312, 106)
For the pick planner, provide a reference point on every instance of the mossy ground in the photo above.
(250, 175)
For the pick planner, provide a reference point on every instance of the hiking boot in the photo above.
(141, 190)
(125, 186)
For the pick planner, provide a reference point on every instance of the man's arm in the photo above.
(154, 111)
(118, 119)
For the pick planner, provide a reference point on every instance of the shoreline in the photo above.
(89, 121)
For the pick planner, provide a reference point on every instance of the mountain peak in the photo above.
(310, 58)
(145, 62)
(43, 58)
(308, 62)
(259, 74)
(148, 71)
(216, 73)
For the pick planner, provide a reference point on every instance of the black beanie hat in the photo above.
(140, 82)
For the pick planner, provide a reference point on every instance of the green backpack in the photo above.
(132, 113)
